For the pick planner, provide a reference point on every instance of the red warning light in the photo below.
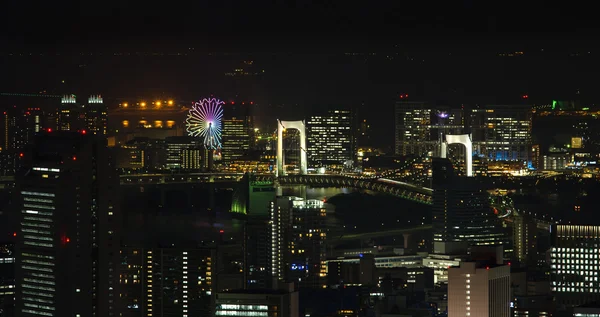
(487, 267)
(49, 130)
(68, 240)
(508, 263)
(233, 103)
(525, 96)
(221, 231)
(21, 154)
(14, 234)
(74, 158)
(83, 132)
(251, 102)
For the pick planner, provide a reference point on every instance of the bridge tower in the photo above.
(464, 139)
(301, 127)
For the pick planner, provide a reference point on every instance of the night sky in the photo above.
(442, 51)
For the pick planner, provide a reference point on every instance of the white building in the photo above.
(479, 290)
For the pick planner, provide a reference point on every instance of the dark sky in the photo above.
(454, 45)
(238, 24)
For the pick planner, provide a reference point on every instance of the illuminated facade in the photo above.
(413, 128)
(161, 282)
(331, 138)
(258, 303)
(238, 130)
(503, 133)
(298, 241)
(479, 290)
(75, 116)
(19, 127)
(183, 153)
(7, 279)
(67, 245)
(574, 268)
(462, 215)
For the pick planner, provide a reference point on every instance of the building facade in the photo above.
(67, 245)
(171, 281)
(476, 289)
(298, 241)
(331, 138)
(574, 266)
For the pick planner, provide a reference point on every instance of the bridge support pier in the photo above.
(406, 237)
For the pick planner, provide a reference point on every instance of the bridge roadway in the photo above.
(382, 185)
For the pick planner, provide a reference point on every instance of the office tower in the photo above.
(19, 126)
(267, 303)
(413, 128)
(461, 212)
(67, 114)
(330, 137)
(503, 133)
(180, 152)
(237, 130)
(524, 237)
(7, 279)
(298, 241)
(479, 289)
(257, 253)
(95, 115)
(574, 266)
(167, 281)
(68, 238)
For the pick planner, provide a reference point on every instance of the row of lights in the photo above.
(157, 103)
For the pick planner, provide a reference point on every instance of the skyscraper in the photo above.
(19, 126)
(479, 289)
(461, 212)
(7, 279)
(237, 130)
(502, 133)
(95, 115)
(67, 243)
(298, 241)
(413, 128)
(171, 281)
(331, 138)
(574, 266)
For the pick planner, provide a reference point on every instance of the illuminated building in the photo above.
(557, 161)
(462, 215)
(67, 113)
(413, 128)
(257, 253)
(574, 269)
(183, 153)
(95, 115)
(258, 303)
(7, 279)
(479, 289)
(524, 237)
(237, 130)
(298, 241)
(502, 133)
(19, 126)
(173, 281)
(331, 138)
(420, 127)
(68, 237)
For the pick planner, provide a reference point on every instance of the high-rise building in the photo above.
(502, 133)
(67, 114)
(331, 138)
(19, 126)
(266, 303)
(172, 281)
(574, 266)
(237, 130)
(298, 241)
(257, 253)
(7, 279)
(95, 115)
(183, 153)
(68, 238)
(479, 289)
(462, 215)
(413, 128)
